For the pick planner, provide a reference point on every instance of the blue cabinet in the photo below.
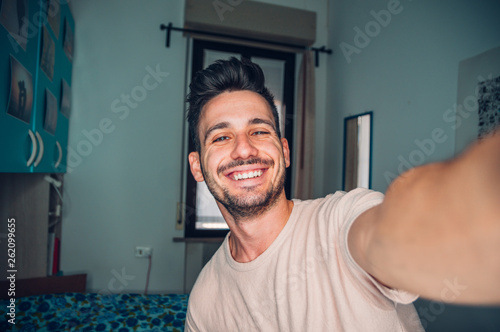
(36, 39)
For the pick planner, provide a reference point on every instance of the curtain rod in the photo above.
(170, 28)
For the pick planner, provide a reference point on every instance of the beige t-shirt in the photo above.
(305, 281)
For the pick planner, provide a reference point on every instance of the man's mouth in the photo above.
(247, 175)
(236, 170)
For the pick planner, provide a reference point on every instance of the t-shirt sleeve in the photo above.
(352, 205)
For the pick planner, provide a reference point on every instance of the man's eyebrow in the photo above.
(220, 125)
(262, 121)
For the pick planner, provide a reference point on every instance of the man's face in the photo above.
(241, 158)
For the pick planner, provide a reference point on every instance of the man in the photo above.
(346, 262)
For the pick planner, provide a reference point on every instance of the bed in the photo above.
(55, 310)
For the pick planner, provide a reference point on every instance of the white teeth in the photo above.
(248, 175)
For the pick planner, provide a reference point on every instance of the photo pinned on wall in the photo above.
(50, 122)
(54, 16)
(65, 99)
(21, 92)
(48, 54)
(488, 106)
(14, 17)
(68, 40)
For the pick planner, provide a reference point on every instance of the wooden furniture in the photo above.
(45, 285)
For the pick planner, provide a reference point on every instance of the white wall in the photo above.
(406, 73)
(125, 172)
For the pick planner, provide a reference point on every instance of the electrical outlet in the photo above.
(143, 252)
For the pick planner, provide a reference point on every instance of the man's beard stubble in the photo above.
(246, 207)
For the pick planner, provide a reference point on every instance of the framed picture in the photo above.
(68, 43)
(488, 106)
(54, 16)
(14, 18)
(21, 92)
(48, 54)
(50, 121)
(478, 99)
(65, 98)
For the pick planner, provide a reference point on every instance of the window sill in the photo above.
(199, 239)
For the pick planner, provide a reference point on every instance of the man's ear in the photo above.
(286, 151)
(194, 163)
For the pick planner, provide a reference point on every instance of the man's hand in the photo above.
(439, 225)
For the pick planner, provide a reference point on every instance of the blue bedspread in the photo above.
(97, 312)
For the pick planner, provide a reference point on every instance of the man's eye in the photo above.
(220, 139)
(261, 132)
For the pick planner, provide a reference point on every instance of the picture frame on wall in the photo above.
(478, 97)
(488, 106)
(68, 42)
(65, 99)
(47, 59)
(21, 92)
(14, 18)
(50, 121)
(54, 16)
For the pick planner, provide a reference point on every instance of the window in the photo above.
(202, 215)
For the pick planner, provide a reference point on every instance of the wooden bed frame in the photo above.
(44, 285)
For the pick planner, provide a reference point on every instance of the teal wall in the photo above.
(124, 169)
(124, 166)
(406, 72)
(124, 173)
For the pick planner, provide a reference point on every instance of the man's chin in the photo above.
(245, 206)
(246, 202)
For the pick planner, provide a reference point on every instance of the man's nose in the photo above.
(243, 148)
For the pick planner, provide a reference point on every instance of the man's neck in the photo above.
(251, 237)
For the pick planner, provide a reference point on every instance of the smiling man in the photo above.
(346, 262)
(246, 178)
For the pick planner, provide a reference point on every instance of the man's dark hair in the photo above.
(225, 76)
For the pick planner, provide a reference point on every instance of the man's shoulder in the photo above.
(336, 209)
(339, 197)
(313, 202)
(354, 196)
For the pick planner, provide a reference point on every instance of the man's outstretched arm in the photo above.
(437, 232)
